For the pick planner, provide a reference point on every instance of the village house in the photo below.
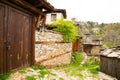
(91, 44)
(18, 22)
(57, 14)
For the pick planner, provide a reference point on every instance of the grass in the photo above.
(5, 76)
(75, 69)
(42, 73)
(35, 67)
(30, 78)
(92, 65)
(61, 78)
(77, 58)
(22, 71)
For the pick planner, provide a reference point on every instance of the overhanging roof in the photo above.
(40, 4)
(35, 6)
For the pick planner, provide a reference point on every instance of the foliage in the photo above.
(5, 76)
(42, 73)
(77, 57)
(61, 78)
(108, 32)
(22, 71)
(30, 78)
(76, 69)
(66, 28)
(73, 70)
(35, 67)
(112, 32)
(92, 65)
(108, 44)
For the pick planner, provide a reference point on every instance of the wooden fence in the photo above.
(110, 66)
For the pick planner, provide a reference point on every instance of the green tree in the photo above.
(66, 28)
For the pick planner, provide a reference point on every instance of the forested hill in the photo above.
(110, 33)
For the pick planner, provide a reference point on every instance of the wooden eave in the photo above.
(25, 5)
(34, 6)
(41, 4)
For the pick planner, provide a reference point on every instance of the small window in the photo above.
(53, 17)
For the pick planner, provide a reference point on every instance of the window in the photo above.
(53, 17)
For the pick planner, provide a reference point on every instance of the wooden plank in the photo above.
(2, 22)
(27, 40)
(118, 69)
(13, 36)
(32, 37)
(49, 42)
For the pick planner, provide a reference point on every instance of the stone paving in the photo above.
(58, 75)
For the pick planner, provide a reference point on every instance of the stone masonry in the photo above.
(50, 50)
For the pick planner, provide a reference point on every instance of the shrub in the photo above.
(66, 28)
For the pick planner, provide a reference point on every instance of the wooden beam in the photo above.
(47, 5)
(27, 6)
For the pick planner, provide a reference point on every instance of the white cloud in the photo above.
(90, 10)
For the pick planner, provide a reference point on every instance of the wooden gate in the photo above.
(15, 38)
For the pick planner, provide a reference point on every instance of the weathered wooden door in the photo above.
(18, 39)
(15, 39)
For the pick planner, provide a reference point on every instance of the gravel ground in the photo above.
(58, 75)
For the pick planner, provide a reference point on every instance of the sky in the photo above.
(101, 11)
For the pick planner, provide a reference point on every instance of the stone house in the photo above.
(91, 44)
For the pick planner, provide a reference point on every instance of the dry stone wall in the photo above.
(50, 50)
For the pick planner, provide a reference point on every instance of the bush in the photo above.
(66, 28)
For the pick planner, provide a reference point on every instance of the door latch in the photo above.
(8, 45)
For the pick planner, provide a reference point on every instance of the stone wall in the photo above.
(50, 50)
(96, 49)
